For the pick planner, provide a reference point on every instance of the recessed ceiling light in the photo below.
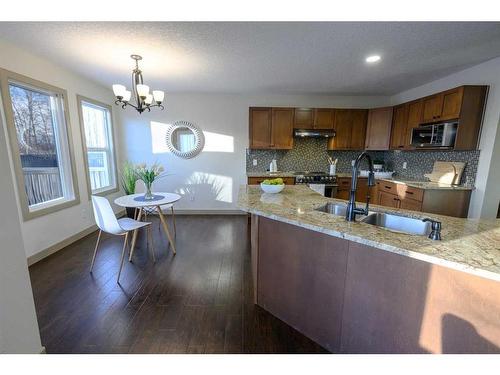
(372, 59)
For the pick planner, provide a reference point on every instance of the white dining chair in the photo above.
(107, 222)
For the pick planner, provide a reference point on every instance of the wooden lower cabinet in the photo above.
(258, 180)
(442, 202)
(388, 200)
(353, 298)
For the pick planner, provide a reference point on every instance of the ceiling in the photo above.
(276, 57)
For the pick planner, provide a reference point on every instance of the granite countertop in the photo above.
(426, 185)
(467, 245)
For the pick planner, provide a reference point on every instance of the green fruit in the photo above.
(275, 181)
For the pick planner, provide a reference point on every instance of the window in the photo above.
(97, 134)
(39, 139)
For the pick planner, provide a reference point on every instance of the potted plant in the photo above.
(148, 175)
(128, 179)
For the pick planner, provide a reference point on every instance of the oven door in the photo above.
(331, 191)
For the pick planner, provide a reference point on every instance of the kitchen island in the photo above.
(357, 288)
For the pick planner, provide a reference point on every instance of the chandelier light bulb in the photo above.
(149, 99)
(158, 96)
(126, 96)
(142, 90)
(119, 90)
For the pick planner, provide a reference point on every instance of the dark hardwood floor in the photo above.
(199, 301)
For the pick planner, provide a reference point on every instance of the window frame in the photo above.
(80, 99)
(50, 206)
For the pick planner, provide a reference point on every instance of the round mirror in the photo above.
(185, 139)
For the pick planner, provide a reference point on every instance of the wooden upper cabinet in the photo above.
(432, 106)
(282, 128)
(271, 128)
(415, 113)
(350, 130)
(343, 130)
(378, 128)
(399, 127)
(452, 104)
(304, 118)
(324, 118)
(358, 135)
(260, 127)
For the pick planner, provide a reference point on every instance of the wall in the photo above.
(211, 180)
(18, 324)
(485, 198)
(41, 233)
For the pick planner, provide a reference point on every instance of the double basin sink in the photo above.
(397, 223)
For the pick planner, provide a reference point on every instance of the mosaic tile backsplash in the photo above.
(310, 154)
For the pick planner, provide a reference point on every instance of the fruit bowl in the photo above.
(272, 189)
(272, 186)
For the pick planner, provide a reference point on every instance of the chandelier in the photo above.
(141, 96)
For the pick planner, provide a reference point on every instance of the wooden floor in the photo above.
(199, 301)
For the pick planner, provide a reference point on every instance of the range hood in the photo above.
(313, 133)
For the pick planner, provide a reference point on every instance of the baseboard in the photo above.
(66, 242)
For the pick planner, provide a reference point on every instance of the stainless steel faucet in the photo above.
(352, 210)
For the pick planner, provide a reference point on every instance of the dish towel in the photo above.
(318, 188)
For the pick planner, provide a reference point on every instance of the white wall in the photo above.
(18, 324)
(40, 233)
(485, 198)
(211, 180)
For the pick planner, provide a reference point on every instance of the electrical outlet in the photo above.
(254, 162)
(405, 165)
(191, 197)
(84, 213)
(352, 163)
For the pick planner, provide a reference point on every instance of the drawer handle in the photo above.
(387, 187)
(396, 199)
(409, 192)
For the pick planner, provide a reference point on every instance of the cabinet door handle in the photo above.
(396, 199)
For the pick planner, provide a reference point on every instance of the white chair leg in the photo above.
(123, 257)
(150, 242)
(95, 250)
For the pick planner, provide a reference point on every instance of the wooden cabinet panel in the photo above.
(282, 128)
(452, 104)
(414, 113)
(471, 117)
(305, 289)
(388, 200)
(432, 107)
(399, 139)
(378, 129)
(258, 180)
(343, 188)
(358, 135)
(324, 118)
(350, 130)
(260, 127)
(410, 204)
(343, 130)
(304, 118)
(363, 190)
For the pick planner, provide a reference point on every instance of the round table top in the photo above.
(131, 201)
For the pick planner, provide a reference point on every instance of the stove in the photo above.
(315, 178)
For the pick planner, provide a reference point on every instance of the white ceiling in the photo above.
(305, 58)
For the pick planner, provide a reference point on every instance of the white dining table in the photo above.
(138, 202)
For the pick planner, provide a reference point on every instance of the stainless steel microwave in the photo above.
(435, 135)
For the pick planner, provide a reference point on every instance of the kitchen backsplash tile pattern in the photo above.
(310, 154)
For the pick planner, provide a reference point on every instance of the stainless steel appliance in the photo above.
(440, 135)
(323, 178)
(317, 133)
